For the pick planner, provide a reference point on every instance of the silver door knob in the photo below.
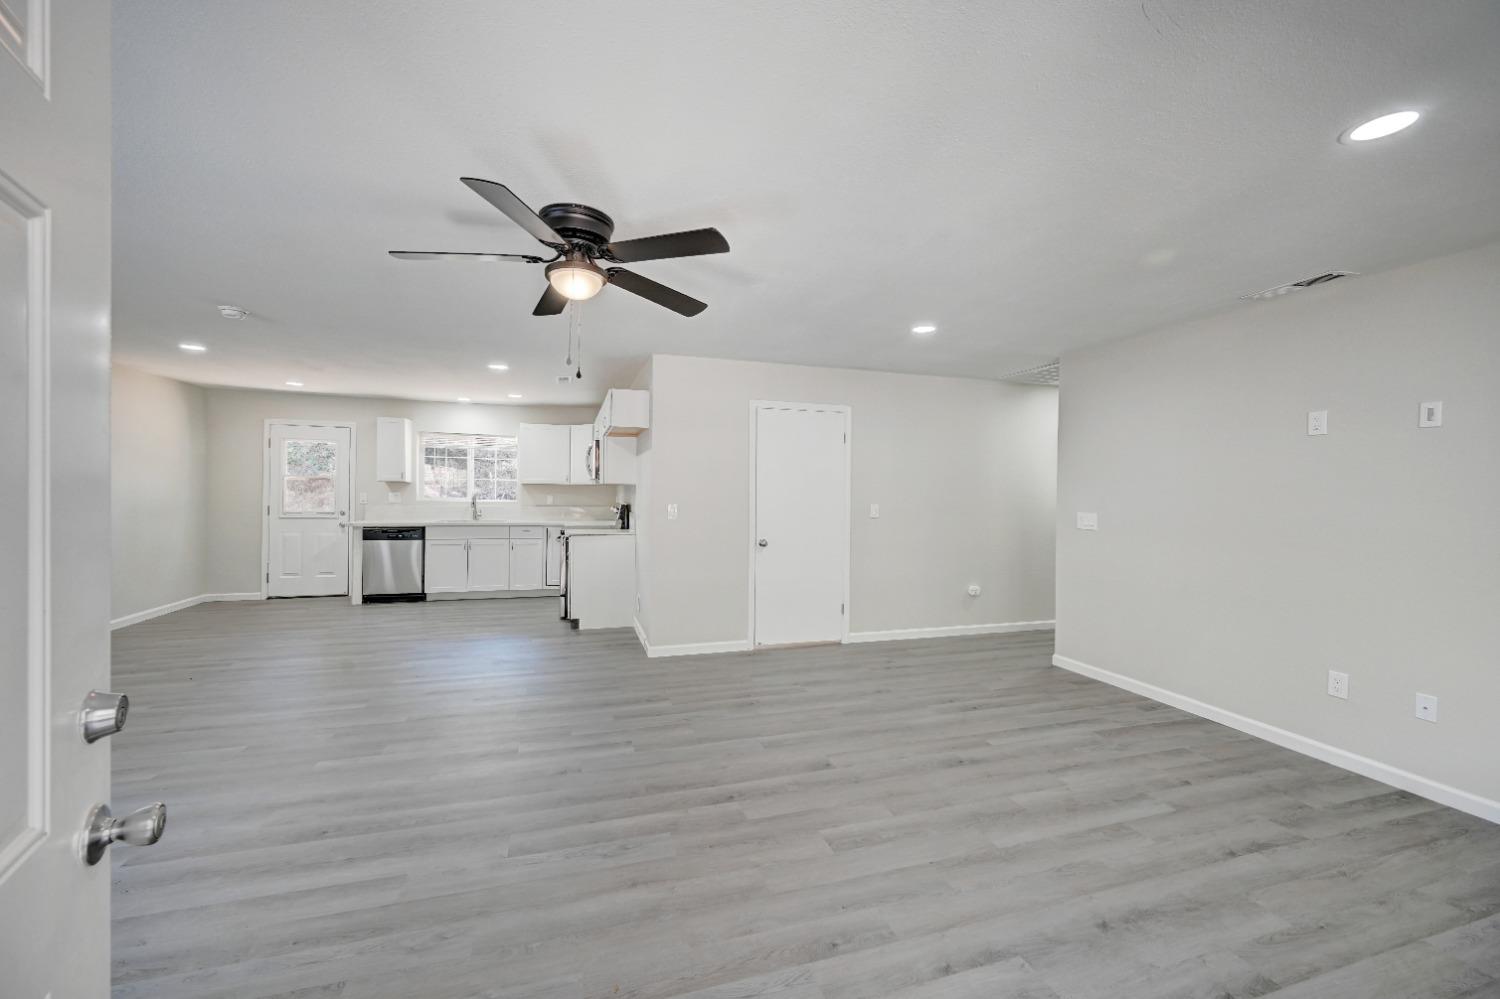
(141, 827)
(103, 714)
(762, 542)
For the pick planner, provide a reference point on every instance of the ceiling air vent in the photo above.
(1295, 285)
(1041, 374)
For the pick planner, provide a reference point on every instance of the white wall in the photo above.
(158, 491)
(1238, 559)
(963, 470)
(236, 426)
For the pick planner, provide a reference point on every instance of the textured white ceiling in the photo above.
(1029, 176)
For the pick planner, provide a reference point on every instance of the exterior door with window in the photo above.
(307, 510)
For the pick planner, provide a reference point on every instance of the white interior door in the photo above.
(54, 490)
(801, 538)
(307, 509)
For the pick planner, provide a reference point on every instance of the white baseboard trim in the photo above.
(689, 649)
(150, 612)
(1433, 790)
(949, 631)
(177, 605)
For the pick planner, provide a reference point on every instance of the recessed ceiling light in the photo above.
(192, 348)
(499, 367)
(926, 329)
(295, 384)
(516, 395)
(1379, 128)
(232, 312)
(463, 398)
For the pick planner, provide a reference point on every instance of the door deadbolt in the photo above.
(102, 714)
(141, 827)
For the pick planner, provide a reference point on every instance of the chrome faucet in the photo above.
(474, 504)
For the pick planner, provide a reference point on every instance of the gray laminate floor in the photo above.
(467, 799)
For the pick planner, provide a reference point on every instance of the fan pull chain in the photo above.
(572, 332)
(578, 348)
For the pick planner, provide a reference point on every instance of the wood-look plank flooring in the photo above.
(469, 799)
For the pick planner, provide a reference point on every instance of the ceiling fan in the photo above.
(579, 235)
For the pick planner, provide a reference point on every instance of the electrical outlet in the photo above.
(1338, 684)
(1430, 414)
(364, 497)
(1088, 522)
(671, 511)
(1427, 707)
(1317, 422)
(874, 511)
(393, 497)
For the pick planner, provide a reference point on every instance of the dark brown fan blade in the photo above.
(654, 292)
(551, 304)
(673, 244)
(525, 258)
(502, 198)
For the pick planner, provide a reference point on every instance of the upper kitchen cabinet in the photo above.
(544, 452)
(625, 413)
(393, 449)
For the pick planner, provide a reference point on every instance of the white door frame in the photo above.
(265, 496)
(848, 413)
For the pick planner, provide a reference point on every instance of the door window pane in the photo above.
(308, 477)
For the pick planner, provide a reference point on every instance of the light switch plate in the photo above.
(1317, 422)
(874, 511)
(364, 497)
(1338, 684)
(1088, 522)
(1427, 707)
(671, 511)
(1430, 414)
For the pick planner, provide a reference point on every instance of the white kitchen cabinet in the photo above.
(581, 438)
(528, 563)
(446, 569)
(601, 580)
(489, 564)
(393, 449)
(624, 413)
(544, 452)
(554, 556)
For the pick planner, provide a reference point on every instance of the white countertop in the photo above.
(588, 525)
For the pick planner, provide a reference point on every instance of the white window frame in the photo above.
(422, 444)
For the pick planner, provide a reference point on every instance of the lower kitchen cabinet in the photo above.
(528, 563)
(489, 564)
(447, 566)
(554, 556)
(486, 559)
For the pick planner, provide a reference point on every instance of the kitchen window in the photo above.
(457, 466)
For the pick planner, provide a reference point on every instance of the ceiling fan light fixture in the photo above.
(575, 279)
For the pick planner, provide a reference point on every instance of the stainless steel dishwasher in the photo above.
(392, 560)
